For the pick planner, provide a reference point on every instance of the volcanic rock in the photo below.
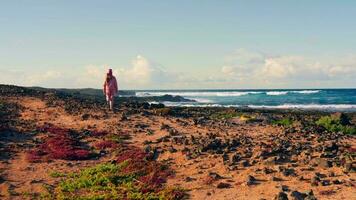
(281, 196)
(250, 180)
(223, 185)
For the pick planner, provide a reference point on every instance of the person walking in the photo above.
(110, 88)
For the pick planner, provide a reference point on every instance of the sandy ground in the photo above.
(20, 178)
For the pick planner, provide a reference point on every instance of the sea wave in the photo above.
(201, 100)
(344, 107)
(196, 94)
(277, 93)
(306, 91)
(184, 104)
(308, 106)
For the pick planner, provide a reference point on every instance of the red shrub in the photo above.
(34, 155)
(153, 181)
(99, 133)
(177, 194)
(152, 175)
(81, 154)
(105, 144)
(60, 144)
(133, 154)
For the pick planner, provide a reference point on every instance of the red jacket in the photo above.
(110, 87)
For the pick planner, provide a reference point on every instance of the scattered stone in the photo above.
(281, 196)
(285, 188)
(276, 179)
(349, 167)
(222, 185)
(337, 182)
(146, 142)
(171, 149)
(315, 181)
(188, 179)
(289, 172)
(123, 117)
(149, 132)
(250, 180)
(245, 163)
(215, 175)
(267, 170)
(310, 195)
(320, 175)
(325, 182)
(85, 116)
(298, 195)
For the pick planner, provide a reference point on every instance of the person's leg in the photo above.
(108, 100)
(111, 103)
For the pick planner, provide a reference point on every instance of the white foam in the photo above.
(181, 104)
(283, 106)
(306, 91)
(277, 93)
(308, 106)
(201, 100)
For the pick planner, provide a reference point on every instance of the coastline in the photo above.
(211, 153)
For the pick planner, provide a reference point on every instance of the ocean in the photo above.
(308, 99)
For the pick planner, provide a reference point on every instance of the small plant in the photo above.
(287, 122)
(112, 181)
(60, 144)
(335, 124)
(99, 133)
(118, 138)
(55, 174)
(105, 144)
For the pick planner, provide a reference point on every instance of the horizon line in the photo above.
(204, 89)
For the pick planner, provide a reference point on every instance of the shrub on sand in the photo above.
(133, 176)
(287, 122)
(105, 144)
(60, 144)
(334, 123)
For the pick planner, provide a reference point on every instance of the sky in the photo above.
(179, 44)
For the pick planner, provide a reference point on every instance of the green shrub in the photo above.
(107, 181)
(287, 122)
(334, 124)
(55, 174)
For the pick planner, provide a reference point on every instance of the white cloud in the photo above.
(260, 70)
(229, 70)
(280, 67)
(140, 73)
(242, 69)
(145, 74)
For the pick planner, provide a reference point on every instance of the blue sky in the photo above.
(179, 44)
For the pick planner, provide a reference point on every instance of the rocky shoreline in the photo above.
(215, 153)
